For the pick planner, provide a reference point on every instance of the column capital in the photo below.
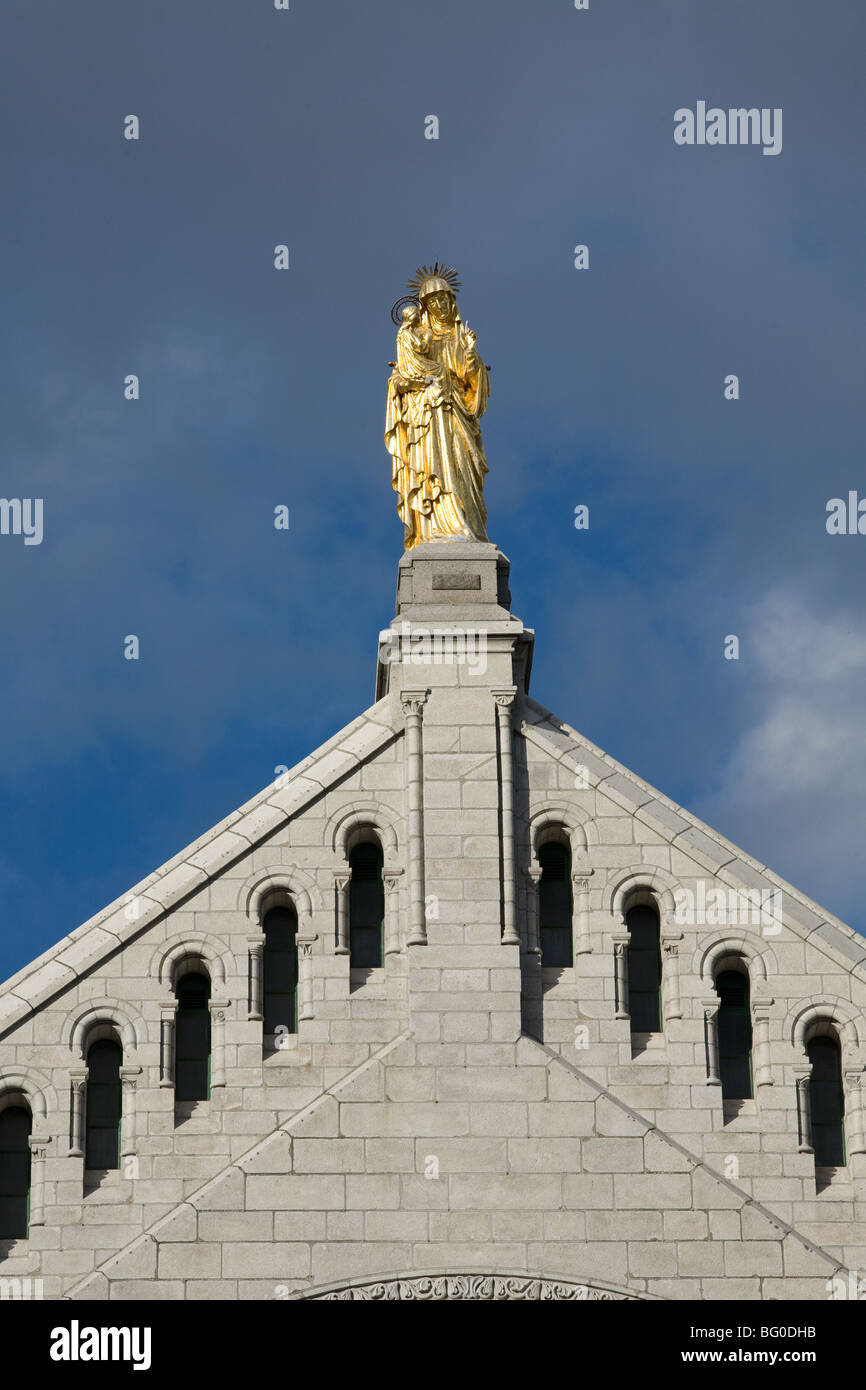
(761, 1007)
(412, 702)
(504, 698)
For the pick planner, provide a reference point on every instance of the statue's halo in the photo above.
(433, 272)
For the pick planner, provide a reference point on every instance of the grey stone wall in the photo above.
(462, 1111)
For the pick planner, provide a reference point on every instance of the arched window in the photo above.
(102, 1141)
(15, 1125)
(644, 970)
(280, 970)
(192, 1038)
(735, 1035)
(366, 907)
(554, 905)
(827, 1102)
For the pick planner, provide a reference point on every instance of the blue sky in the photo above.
(259, 388)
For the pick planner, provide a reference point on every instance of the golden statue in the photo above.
(437, 393)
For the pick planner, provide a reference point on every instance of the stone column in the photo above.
(217, 1042)
(710, 1007)
(620, 953)
(504, 704)
(803, 1078)
(38, 1155)
(391, 881)
(305, 976)
(855, 1141)
(255, 965)
(580, 912)
(128, 1082)
(166, 1043)
(412, 703)
(670, 941)
(78, 1079)
(342, 878)
(761, 1054)
(533, 904)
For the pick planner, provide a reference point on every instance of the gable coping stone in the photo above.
(833, 937)
(58, 968)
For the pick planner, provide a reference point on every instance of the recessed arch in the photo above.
(295, 885)
(347, 825)
(31, 1085)
(554, 821)
(643, 885)
(171, 962)
(821, 1017)
(102, 1019)
(726, 950)
(277, 888)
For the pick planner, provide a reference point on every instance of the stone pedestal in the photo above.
(452, 624)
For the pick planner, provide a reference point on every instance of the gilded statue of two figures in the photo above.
(437, 394)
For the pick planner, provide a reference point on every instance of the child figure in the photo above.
(414, 363)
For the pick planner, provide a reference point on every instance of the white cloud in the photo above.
(795, 784)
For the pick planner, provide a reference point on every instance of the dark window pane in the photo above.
(554, 905)
(280, 968)
(366, 907)
(103, 1101)
(192, 1039)
(644, 970)
(735, 1035)
(14, 1171)
(827, 1103)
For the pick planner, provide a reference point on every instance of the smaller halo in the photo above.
(399, 305)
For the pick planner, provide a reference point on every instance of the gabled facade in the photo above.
(458, 1008)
